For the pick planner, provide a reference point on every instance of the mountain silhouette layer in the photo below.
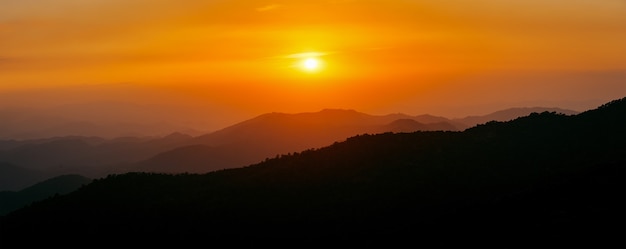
(12, 200)
(278, 133)
(235, 146)
(510, 114)
(544, 180)
(273, 134)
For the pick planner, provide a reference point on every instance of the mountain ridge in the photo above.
(511, 113)
(63, 184)
(240, 144)
(543, 180)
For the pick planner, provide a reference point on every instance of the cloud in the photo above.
(305, 55)
(268, 7)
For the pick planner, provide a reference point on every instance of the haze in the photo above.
(207, 64)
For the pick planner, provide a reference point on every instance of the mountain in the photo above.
(234, 146)
(320, 128)
(13, 177)
(410, 125)
(510, 114)
(94, 157)
(247, 142)
(78, 151)
(13, 200)
(192, 158)
(99, 119)
(543, 180)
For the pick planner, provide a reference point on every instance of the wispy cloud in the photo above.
(305, 55)
(268, 7)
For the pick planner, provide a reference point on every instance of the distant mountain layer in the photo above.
(102, 119)
(544, 180)
(238, 145)
(12, 200)
(117, 119)
(510, 114)
(278, 133)
(13, 177)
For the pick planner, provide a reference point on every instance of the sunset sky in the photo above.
(231, 60)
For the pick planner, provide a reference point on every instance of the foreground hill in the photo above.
(545, 180)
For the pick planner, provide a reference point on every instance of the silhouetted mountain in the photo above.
(90, 156)
(509, 114)
(403, 125)
(241, 144)
(430, 119)
(193, 158)
(13, 177)
(12, 200)
(410, 125)
(319, 128)
(177, 136)
(11, 144)
(234, 146)
(544, 180)
(88, 151)
(247, 142)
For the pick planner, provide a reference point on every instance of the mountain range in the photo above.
(101, 119)
(26, 162)
(542, 180)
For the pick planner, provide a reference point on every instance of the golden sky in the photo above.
(377, 56)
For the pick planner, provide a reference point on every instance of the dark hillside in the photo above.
(545, 180)
(12, 200)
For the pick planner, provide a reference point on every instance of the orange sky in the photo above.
(236, 59)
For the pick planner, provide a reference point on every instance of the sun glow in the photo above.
(310, 64)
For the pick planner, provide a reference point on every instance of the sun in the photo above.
(307, 62)
(310, 64)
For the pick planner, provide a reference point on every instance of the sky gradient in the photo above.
(228, 60)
